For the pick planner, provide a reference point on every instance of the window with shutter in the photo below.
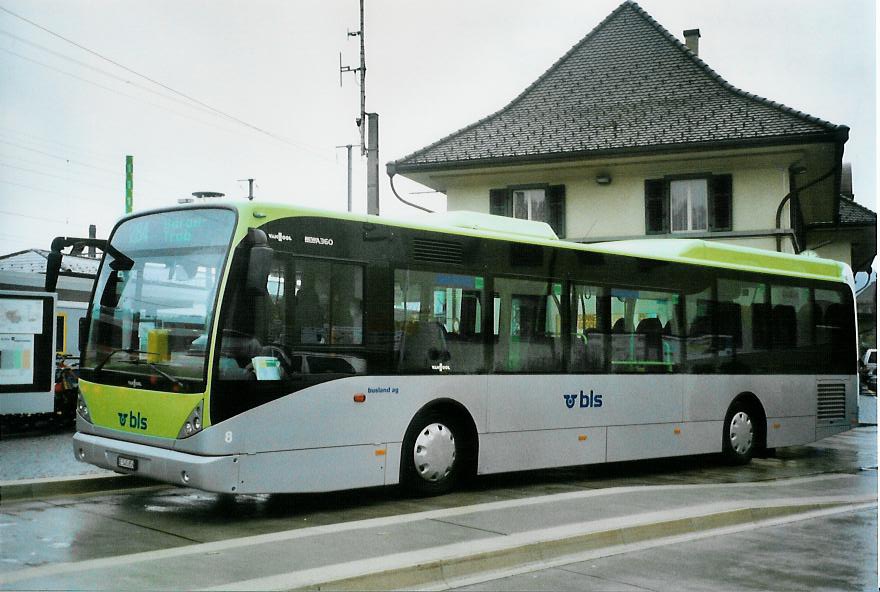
(721, 203)
(689, 204)
(656, 207)
(500, 202)
(556, 209)
(542, 203)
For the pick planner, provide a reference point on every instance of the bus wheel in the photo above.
(431, 456)
(740, 435)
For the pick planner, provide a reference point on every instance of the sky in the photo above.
(204, 93)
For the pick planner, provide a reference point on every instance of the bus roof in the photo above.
(683, 250)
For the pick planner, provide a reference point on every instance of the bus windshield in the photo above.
(154, 300)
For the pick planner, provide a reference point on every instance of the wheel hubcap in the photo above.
(434, 452)
(741, 433)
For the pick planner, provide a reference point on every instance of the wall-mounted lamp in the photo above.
(603, 179)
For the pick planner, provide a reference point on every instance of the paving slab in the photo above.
(449, 542)
(837, 552)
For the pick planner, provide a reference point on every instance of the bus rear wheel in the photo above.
(431, 458)
(740, 435)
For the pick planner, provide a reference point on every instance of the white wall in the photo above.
(595, 211)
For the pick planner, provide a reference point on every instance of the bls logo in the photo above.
(133, 421)
(591, 400)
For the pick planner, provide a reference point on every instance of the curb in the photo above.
(458, 567)
(448, 565)
(33, 489)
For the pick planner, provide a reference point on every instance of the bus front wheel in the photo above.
(432, 453)
(740, 435)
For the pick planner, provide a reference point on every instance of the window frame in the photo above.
(501, 203)
(661, 201)
(62, 334)
(689, 204)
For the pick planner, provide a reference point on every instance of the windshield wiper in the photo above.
(159, 371)
(137, 361)
(112, 353)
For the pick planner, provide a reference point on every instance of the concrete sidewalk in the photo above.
(445, 547)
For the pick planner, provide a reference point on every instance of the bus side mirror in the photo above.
(259, 266)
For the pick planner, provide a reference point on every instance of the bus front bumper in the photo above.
(209, 473)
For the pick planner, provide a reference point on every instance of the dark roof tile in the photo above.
(629, 84)
(855, 213)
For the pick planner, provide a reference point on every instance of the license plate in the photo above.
(129, 464)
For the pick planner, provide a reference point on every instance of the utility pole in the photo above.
(348, 148)
(361, 73)
(373, 164)
(369, 137)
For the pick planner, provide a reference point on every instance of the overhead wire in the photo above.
(107, 88)
(52, 192)
(63, 146)
(105, 73)
(142, 100)
(216, 111)
(57, 144)
(40, 218)
(70, 179)
(105, 170)
(59, 157)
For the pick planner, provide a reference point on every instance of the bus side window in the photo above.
(438, 321)
(328, 304)
(833, 326)
(530, 326)
(590, 337)
(644, 335)
(742, 321)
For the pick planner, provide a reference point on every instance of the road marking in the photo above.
(276, 537)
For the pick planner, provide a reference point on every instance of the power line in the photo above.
(165, 86)
(50, 191)
(103, 170)
(58, 144)
(72, 180)
(148, 178)
(40, 218)
(58, 157)
(107, 88)
(118, 92)
(104, 72)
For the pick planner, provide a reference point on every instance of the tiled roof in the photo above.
(34, 261)
(852, 213)
(629, 85)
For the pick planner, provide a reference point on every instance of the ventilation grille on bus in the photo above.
(830, 401)
(437, 251)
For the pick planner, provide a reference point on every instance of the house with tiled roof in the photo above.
(26, 270)
(631, 135)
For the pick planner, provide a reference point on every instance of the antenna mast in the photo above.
(361, 121)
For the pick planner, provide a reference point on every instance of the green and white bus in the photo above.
(252, 347)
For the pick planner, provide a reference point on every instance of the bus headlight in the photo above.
(82, 409)
(193, 423)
